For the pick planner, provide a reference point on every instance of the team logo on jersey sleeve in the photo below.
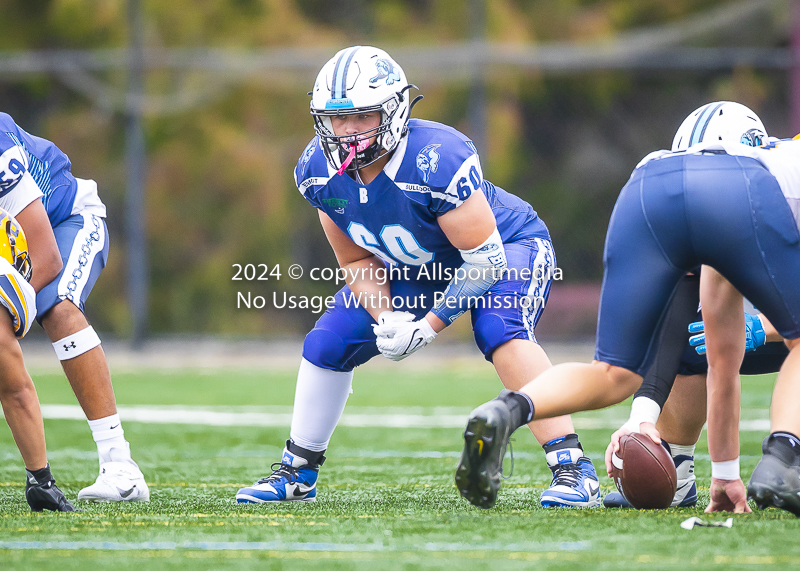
(307, 154)
(385, 71)
(428, 161)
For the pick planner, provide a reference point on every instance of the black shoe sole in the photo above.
(766, 497)
(484, 439)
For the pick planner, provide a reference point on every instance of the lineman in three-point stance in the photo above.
(734, 210)
(64, 220)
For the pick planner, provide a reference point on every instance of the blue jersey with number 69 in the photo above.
(49, 168)
(433, 170)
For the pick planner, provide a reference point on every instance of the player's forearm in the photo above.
(482, 267)
(41, 244)
(657, 383)
(19, 400)
(724, 396)
(725, 343)
(437, 324)
(373, 294)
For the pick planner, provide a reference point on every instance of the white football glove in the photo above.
(398, 335)
(388, 321)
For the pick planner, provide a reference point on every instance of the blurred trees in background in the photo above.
(220, 188)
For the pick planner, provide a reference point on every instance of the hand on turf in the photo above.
(755, 336)
(646, 428)
(398, 336)
(728, 496)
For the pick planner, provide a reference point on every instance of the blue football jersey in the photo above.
(433, 170)
(21, 152)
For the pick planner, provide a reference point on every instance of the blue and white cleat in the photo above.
(686, 494)
(292, 480)
(575, 484)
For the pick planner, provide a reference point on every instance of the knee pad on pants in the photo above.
(490, 333)
(325, 349)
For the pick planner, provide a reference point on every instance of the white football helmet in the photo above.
(360, 79)
(723, 121)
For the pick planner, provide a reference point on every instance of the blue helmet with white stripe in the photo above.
(721, 121)
(360, 79)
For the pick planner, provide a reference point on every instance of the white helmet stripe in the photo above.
(339, 86)
(702, 123)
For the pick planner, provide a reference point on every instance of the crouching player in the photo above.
(64, 219)
(731, 209)
(408, 197)
(17, 393)
(679, 371)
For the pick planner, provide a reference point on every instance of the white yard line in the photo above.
(290, 546)
(280, 417)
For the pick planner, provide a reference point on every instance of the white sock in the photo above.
(319, 400)
(686, 469)
(679, 449)
(107, 433)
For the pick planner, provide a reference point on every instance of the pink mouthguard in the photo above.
(360, 146)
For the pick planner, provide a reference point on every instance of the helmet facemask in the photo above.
(352, 151)
(360, 79)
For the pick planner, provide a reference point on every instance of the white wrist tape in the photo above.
(76, 344)
(725, 470)
(426, 329)
(643, 409)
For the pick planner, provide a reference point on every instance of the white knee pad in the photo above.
(76, 344)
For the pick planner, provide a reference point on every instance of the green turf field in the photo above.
(386, 495)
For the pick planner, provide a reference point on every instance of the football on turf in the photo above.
(644, 472)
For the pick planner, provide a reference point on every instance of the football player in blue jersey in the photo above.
(17, 393)
(734, 210)
(406, 198)
(678, 370)
(64, 220)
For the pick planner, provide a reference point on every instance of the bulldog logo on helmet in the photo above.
(753, 137)
(385, 71)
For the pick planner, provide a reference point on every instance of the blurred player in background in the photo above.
(64, 220)
(735, 210)
(681, 421)
(17, 393)
(409, 195)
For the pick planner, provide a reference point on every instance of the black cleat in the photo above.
(479, 472)
(776, 480)
(43, 494)
(775, 483)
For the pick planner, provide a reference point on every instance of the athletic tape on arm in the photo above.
(482, 267)
(76, 344)
(725, 470)
(643, 409)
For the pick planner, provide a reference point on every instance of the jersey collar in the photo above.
(394, 163)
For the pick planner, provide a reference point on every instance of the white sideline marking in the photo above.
(289, 546)
(281, 417)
